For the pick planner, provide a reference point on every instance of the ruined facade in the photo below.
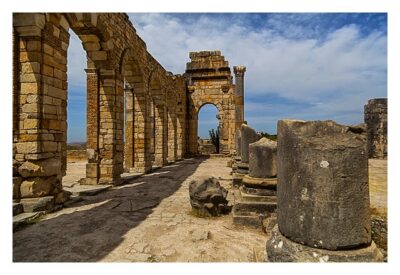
(123, 80)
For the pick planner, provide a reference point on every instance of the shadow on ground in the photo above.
(93, 228)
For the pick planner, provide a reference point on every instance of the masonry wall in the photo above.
(117, 56)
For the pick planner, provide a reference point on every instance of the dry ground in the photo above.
(150, 219)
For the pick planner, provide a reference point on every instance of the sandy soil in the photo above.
(148, 219)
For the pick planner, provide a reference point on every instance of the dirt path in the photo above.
(148, 219)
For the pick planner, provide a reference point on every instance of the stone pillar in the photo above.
(255, 203)
(239, 95)
(161, 132)
(141, 129)
(238, 144)
(323, 196)
(92, 126)
(375, 116)
(172, 134)
(129, 126)
(110, 127)
(40, 93)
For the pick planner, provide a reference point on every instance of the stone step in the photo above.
(245, 197)
(38, 204)
(247, 220)
(254, 207)
(87, 190)
(25, 218)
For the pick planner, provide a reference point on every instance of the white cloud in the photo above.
(334, 73)
(345, 63)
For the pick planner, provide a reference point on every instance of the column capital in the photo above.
(239, 70)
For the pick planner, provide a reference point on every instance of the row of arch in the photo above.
(123, 80)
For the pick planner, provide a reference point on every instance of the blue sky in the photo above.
(311, 66)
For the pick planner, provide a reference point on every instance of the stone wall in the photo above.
(375, 116)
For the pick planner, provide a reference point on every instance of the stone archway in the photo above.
(209, 81)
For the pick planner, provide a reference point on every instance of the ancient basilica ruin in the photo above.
(306, 195)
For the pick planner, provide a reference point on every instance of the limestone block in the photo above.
(92, 170)
(40, 168)
(37, 187)
(16, 187)
(27, 147)
(248, 135)
(323, 196)
(262, 159)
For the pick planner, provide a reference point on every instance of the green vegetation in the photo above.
(214, 136)
(265, 134)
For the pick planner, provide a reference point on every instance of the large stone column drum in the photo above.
(323, 194)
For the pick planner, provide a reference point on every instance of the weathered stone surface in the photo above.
(62, 197)
(248, 135)
(323, 196)
(262, 159)
(40, 168)
(379, 231)
(37, 187)
(38, 204)
(16, 187)
(375, 116)
(208, 197)
(238, 143)
(281, 249)
(17, 208)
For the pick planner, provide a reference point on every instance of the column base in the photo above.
(254, 205)
(281, 249)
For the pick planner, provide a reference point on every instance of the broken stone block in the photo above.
(323, 194)
(248, 135)
(40, 168)
(208, 197)
(262, 159)
(38, 204)
(37, 187)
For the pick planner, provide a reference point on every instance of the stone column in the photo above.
(255, 203)
(323, 195)
(375, 116)
(239, 95)
(129, 126)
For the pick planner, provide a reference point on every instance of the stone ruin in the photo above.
(256, 198)
(375, 116)
(241, 166)
(208, 197)
(315, 177)
(323, 194)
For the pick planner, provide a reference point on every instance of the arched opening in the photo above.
(75, 153)
(208, 129)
